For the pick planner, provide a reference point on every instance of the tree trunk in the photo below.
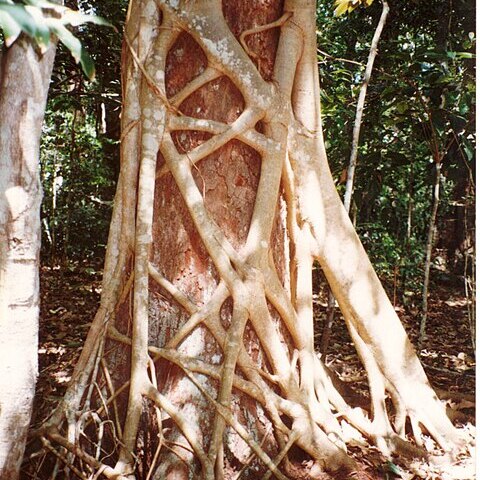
(432, 225)
(352, 164)
(225, 199)
(24, 82)
(347, 199)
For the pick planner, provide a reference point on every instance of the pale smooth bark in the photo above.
(24, 82)
(352, 165)
(360, 106)
(432, 226)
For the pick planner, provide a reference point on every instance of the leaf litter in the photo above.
(70, 298)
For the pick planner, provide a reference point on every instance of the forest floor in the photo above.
(71, 296)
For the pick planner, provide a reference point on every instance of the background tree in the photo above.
(25, 69)
(24, 79)
(426, 54)
(350, 173)
(80, 154)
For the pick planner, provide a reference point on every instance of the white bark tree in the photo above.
(24, 82)
(200, 362)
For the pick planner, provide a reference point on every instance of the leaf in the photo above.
(342, 7)
(15, 18)
(454, 55)
(435, 55)
(23, 18)
(349, 5)
(394, 469)
(457, 121)
(390, 468)
(87, 64)
(31, 19)
(11, 29)
(76, 49)
(469, 151)
(73, 18)
(42, 34)
(402, 107)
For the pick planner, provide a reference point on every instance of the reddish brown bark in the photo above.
(228, 180)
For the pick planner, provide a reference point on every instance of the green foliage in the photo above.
(80, 154)
(420, 109)
(15, 18)
(78, 186)
(40, 20)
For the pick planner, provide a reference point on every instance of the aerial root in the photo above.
(392, 440)
(262, 28)
(78, 452)
(313, 406)
(242, 432)
(306, 432)
(183, 425)
(292, 438)
(112, 397)
(61, 457)
(300, 433)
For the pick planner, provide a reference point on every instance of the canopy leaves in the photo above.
(41, 20)
(343, 6)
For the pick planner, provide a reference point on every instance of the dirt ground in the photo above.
(70, 298)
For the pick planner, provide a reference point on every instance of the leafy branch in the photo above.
(43, 21)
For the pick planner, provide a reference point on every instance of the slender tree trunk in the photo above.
(469, 280)
(411, 178)
(347, 198)
(53, 217)
(428, 251)
(407, 245)
(73, 157)
(24, 82)
(360, 105)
